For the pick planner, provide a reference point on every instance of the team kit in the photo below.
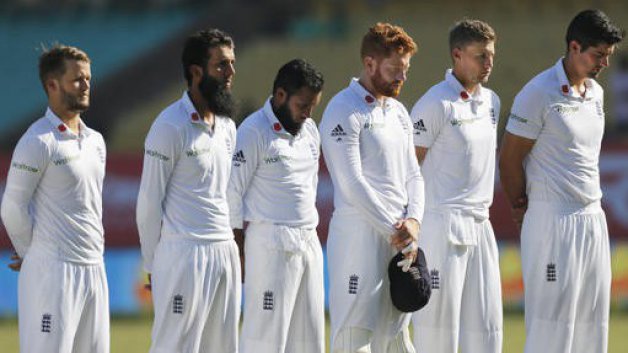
(223, 211)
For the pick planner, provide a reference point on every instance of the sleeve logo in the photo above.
(419, 127)
(338, 132)
(518, 118)
(155, 154)
(22, 166)
(238, 158)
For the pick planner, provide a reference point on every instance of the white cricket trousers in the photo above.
(565, 256)
(284, 303)
(363, 318)
(465, 309)
(63, 307)
(196, 294)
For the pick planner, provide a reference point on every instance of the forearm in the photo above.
(17, 222)
(513, 183)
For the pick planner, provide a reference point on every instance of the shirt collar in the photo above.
(63, 129)
(564, 87)
(461, 91)
(365, 96)
(193, 116)
(274, 123)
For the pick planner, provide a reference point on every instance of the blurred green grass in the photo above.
(132, 334)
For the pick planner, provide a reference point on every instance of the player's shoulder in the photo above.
(598, 90)
(174, 116)
(256, 123)
(492, 95)
(345, 100)
(435, 98)
(309, 126)
(540, 88)
(397, 106)
(40, 130)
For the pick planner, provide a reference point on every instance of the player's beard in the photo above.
(385, 88)
(284, 116)
(219, 99)
(73, 103)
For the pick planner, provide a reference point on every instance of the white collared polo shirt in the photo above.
(274, 174)
(53, 198)
(370, 156)
(183, 192)
(460, 131)
(562, 167)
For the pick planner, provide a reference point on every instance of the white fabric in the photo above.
(63, 307)
(370, 156)
(359, 289)
(274, 174)
(562, 166)
(53, 195)
(460, 135)
(284, 306)
(197, 293)
(357, 340)
(183, 191)
(566, 265)
(465, 309)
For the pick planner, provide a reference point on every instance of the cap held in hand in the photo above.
(410, 290)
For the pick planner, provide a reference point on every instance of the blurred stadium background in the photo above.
(135, 47)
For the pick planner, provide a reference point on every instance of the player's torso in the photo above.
(75, 172)
(204, 162)
(291, 162)
(384, 140)
(459, 167)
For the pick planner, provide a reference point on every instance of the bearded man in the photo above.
(182, 211)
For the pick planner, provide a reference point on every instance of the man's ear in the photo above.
(370, 65)
(196, 72)
(574, 47)
(456, 54)
(280, 96)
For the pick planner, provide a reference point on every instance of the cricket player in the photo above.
(273, 188)
(182, 211)
(455, 134)
(366, 135)
(549, 171)
(52, 210)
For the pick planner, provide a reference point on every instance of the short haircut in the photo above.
(297, 74)
(197, 46)
(469, 31)
(52, 61)
(383, 39)
(591, 28)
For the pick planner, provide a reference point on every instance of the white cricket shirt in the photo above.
(562, 167)
(460, 131)
(52, 203)
(370, 156)
(183, 192)
(274, 174)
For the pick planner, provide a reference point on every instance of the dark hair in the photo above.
(468, 31)
(52, 61)
(197, 46)
(383, 39)
(592, 27)
(296, 74)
